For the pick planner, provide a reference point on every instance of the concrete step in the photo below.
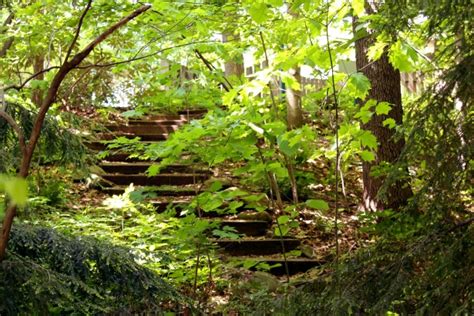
(259, 247)
(295, 265)
(169, 192)
(142, 167)
(161, 179)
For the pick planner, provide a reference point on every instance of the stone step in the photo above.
(259, 247)
(118, 156)
(99, 145)
(149, 137)
(159, 121)
(161, 179)
(295, 265)
(140, 129)
(169, 192)
(142, 167)
(247, 227)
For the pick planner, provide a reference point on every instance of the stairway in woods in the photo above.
(177, 184)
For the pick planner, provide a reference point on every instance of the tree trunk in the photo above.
(234, 67)
(386, 86)
(38, 66)
(294, 110)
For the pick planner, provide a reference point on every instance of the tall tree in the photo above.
(385, 87)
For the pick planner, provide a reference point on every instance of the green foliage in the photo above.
(15, 188)
(428, 273)
(58, 145)
(165, 243)
(47, 272)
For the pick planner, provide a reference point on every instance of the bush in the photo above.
(49, 273)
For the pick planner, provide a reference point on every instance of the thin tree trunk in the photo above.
(294, 110)
(385, 86)
(38, 66)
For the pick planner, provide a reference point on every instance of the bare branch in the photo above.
(78, 30)
(19, 132)
(141, 57)
(22, 85)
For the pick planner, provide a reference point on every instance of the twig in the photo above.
(211, 67)
(78, 30)
(140, 57)
(23, 84)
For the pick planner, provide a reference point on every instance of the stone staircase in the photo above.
(177, 184)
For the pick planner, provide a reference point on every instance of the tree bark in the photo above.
(385, 86)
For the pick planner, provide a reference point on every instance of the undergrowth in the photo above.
(49, 273)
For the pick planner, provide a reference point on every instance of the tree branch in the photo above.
(140, 57)
(78, 30)
(79, 57)
(22, 85)
(19, 132)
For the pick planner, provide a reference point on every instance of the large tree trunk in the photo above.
(386, 86)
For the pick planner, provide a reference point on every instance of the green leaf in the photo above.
(153, 170)
(283, 219)
(215, 186)
(375, 51)
(383, 108)
(361, 85)
(132, 113)
(281, 231)
(390, 122)
(358, 6)
(259, 12)
(211, 205)
(368, 139)
(16, 189)
(402, 57)
(290, 81)
(367, 155)
(317, 204)
(229, 97)
(364, 115)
